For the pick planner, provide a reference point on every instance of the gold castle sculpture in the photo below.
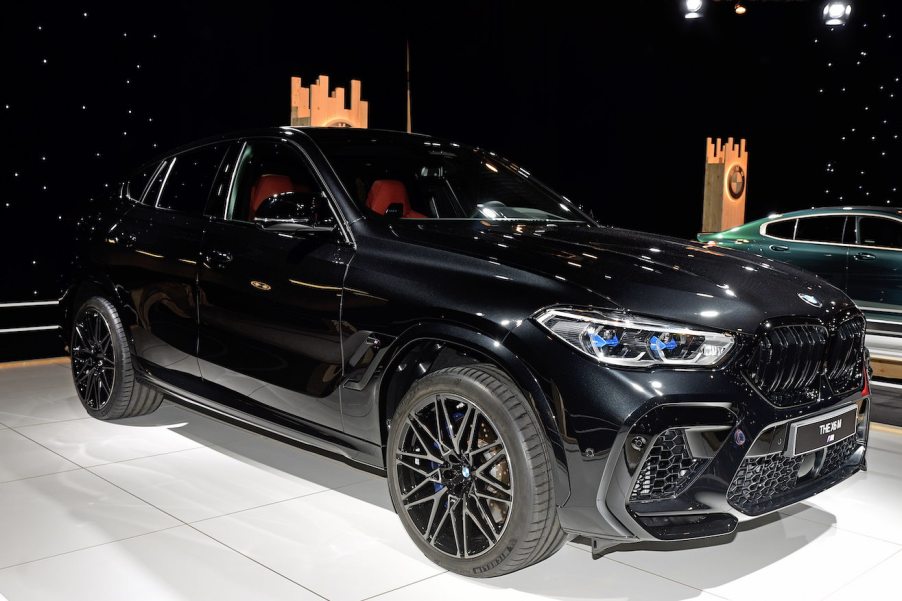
(318, 106)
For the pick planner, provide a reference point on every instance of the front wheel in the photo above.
(469, 473)
(102, 365)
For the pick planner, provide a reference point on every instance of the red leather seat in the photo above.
(269, 185)
(386, 192)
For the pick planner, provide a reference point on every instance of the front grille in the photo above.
(845, 355)
(785, 363)
(787, 360)
(668, 468)
(761, 481)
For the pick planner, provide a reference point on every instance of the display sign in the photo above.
(824, 430)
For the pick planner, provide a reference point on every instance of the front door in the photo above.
(270, 299)
(818, 247)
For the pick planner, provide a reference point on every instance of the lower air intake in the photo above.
(668, 468)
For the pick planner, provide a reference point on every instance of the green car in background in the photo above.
(857, 249)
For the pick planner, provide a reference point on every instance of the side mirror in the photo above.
(287, 207)
(292, 212)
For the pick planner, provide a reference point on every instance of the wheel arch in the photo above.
(87, 286)
(429, 347)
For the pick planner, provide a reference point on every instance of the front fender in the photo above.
(491, 350)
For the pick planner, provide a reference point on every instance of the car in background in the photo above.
(857, 249)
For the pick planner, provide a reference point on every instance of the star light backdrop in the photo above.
(612, 111)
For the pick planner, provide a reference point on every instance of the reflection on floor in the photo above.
(886, 396)
(179, 506)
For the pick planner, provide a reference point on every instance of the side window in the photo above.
(821, 229)
(781, 229)
(268, 169)
(187, 185)
(137, 181)
(878, 231)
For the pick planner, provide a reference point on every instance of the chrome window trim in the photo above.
(226, 205)
(169, 164)
(761, 230)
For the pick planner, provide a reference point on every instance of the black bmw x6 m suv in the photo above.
(521, 373)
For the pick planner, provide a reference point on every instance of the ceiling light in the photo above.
(693, 9)
(837, 13)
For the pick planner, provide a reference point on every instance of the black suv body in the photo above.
(319, 284)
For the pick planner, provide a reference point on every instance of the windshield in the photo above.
(424, 179)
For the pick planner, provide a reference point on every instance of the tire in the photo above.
(102, 366)
(489, 471)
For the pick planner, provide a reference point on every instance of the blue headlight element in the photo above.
(600, 342)
(659, 345)
(629, 340)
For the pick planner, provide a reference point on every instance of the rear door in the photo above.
(875, 268)
(162, 239)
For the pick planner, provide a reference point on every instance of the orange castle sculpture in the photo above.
(317, 106)
(726, 182)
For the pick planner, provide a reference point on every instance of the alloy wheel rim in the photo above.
(454, 476)
(93, 360)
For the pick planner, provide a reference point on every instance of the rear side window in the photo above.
(781, 229)
(186, 186)
(877, 231)
(137, 181)
(828, 228)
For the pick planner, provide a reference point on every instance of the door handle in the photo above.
(217, 259)
(778, 248)
(865, 257)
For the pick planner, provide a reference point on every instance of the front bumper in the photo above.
(707, 496)
(725, 477)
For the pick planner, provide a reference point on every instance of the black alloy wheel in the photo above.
(102, 366)
(93, 362)
(469, 473)
(454, 475)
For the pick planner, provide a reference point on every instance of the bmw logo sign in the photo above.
(736, 182)
(811, 300)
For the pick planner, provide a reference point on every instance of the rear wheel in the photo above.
(470, 473)
(102, 365)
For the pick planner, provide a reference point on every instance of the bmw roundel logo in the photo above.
(811, 300)
(736, 182)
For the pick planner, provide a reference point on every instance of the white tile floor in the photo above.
(178, 506)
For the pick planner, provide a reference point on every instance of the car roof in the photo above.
(316, 133)
(887, 210)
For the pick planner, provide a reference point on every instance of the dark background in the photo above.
(610, 103)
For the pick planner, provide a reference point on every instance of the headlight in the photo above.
(637, 342)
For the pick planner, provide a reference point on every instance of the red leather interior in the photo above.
(385, 192)
(269, 185)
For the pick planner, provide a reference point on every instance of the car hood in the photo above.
(670, 278)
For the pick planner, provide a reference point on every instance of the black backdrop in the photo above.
(610, 105)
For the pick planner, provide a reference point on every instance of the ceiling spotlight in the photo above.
(693, 9)
(837, 13)
(739, 8)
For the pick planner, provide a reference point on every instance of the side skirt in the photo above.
(288, 429)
